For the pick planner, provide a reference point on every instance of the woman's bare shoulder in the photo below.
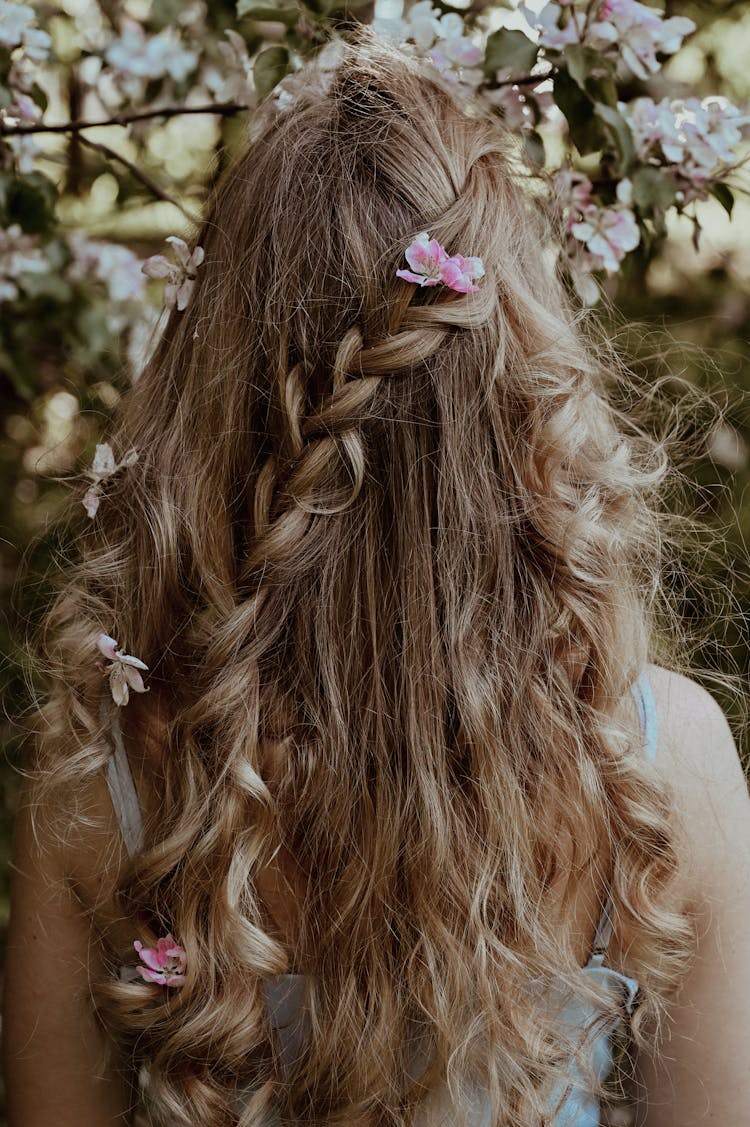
(698, 759)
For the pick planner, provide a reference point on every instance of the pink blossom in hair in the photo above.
(430, 264)
(426, 257)
(461, 273)
(124, 670)
(165, 963)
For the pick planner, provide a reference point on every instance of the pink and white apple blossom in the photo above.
(165, 964)
(636, 33)
(103, 466)
(123, 671)
(180, 276)
(692, 137)
(431, 264)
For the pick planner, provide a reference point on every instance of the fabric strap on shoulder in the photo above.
(120, 782)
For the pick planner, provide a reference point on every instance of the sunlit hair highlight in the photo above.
(392, 559)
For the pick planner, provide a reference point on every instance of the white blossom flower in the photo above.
(112, 264)
(103, 466)
(639, 32)
(19, 255)
(123, 671)
(180, 276)
(635, 32)
(137, 57)
(441, 38)
(237, 84)
(693, 136)
(608, 234)
(17, 30)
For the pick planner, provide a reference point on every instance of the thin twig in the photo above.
(226, 110)
(139, 174)
(525, 80)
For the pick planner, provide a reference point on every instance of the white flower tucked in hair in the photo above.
(104, 465)
(124, 672)
(180, 276)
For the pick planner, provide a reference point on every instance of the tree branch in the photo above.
(139, 174)
(226, 110)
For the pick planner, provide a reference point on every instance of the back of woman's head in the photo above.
(388, 552)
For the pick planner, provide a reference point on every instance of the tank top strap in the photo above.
(120, 781)
(644, 697)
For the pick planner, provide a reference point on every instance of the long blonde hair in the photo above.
(392, 558)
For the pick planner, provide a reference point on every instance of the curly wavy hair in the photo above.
(392, 557)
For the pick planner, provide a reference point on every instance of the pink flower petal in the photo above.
(128, 659)
(456, 277)
(418, 279)
(118, 685)
(182, 254)
(104, 461)
(157, 266)
(91, 502)
(425, 255)
(133, 678)
(106, 646)
(151, 956)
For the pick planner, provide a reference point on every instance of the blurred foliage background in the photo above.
(65, 362)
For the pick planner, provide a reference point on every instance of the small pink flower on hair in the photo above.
(165, 963)
(426, 257)
(430, 264)
(123, 672)
(461, 273)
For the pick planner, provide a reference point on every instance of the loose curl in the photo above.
(391, 556)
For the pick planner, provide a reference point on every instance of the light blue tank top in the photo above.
(570, 1105)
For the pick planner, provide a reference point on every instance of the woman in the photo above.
(406, 825)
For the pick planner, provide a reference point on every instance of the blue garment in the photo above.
(285, 993)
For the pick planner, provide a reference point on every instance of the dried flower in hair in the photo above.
(430, 264)
(124, 672)
(180, 276)
(103, 466)
(165, 963)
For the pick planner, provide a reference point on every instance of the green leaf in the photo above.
(534, 147)
(267, 12)
(585, 130)
(39, 97)
(619, 131)
(722, 193)
(582, 62)
(22, 372)
(30, 201)
(269, 68)
(506, 48)
(652, 188)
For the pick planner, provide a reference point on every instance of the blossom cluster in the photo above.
(441, 37)
(626, 30)
(692, 138)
